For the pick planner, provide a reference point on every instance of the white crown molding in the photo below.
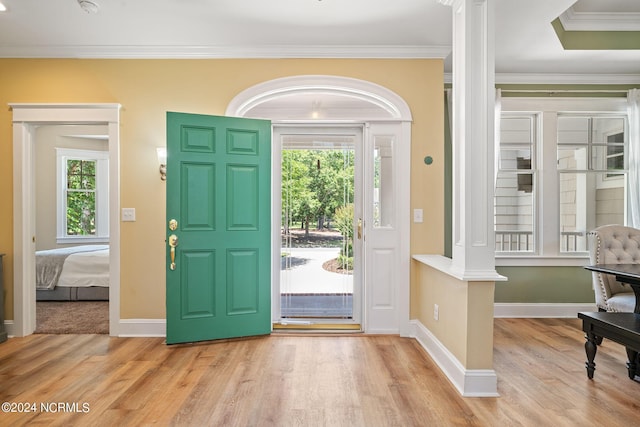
(205, 52)
(600, 21)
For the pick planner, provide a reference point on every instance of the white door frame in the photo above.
(25, 118)
(377, 104)
(279, 131)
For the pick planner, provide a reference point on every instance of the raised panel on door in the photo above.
(218, 194)
(198, 204)
(243, 294)
(198, 301)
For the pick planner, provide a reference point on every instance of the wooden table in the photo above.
(623, 328)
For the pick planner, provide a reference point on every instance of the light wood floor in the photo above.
(286, 380)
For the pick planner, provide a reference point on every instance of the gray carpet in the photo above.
(72, 317)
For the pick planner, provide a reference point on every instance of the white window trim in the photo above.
(547, 233)
(535, 153)
(102, 195)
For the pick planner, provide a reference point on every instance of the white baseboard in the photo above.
(569, 310)
(469, 382)
(142, 328)
(8, 326)
(127, 328)
(157, 327)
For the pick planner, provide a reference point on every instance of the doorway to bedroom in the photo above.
(27, 118)
(71, 178)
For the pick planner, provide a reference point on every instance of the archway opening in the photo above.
(326, 102)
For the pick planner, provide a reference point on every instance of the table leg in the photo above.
(632, 363)
(591, 346)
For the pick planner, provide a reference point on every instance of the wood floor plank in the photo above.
(288, 380)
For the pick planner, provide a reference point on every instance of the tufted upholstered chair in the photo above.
(613, 244)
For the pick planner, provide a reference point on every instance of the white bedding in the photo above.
(78, 266)
(86, 269)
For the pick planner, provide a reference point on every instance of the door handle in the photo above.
(173, 243)
(359, 228)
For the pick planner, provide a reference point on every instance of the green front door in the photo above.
(219, 217)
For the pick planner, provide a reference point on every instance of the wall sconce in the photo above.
(162, 159)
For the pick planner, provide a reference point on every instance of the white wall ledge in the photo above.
(446, 266)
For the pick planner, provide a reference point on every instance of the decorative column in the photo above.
(473, 137)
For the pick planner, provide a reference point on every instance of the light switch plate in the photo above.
(418, 215)
(128, 214)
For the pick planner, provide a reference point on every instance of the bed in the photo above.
(78, 273)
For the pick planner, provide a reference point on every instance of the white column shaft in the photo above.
(473, 135)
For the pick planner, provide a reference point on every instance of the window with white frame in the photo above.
(515, 184)
(561, 171)
(82, 182)
(592, 170)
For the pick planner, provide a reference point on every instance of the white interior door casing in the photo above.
(25, 118)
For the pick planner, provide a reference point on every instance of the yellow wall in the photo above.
(146, 89)
(465, 314)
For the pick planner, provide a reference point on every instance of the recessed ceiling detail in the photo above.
(592, 25)
(590, 15)
(596, 40)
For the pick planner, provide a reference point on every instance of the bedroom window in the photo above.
(83, 214)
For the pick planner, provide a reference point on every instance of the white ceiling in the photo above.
(527, 48)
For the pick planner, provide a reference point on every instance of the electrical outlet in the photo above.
(436, 311)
